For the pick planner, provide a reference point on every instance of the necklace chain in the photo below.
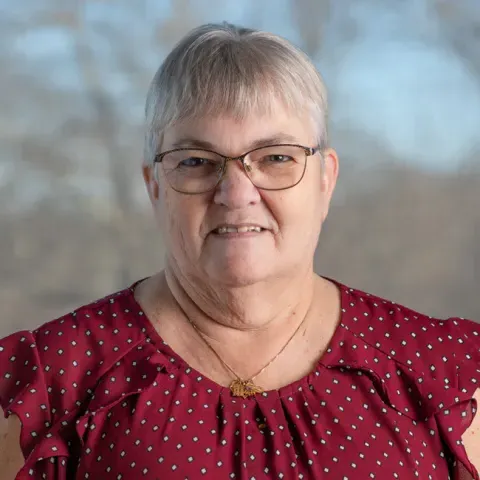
(244, 387)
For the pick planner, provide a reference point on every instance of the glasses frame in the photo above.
(309, 151)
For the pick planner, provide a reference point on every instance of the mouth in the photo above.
(241, 229)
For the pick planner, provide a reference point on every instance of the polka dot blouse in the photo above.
(101, 395)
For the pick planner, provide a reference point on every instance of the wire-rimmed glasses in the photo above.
(273, 167)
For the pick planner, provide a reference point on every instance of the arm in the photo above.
(471, 438)
(11, 457)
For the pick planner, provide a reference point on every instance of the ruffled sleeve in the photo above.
(48, 378)
(430, 376)
(23, 392)
(442, 387)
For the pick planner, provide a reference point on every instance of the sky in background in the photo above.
(389, 82)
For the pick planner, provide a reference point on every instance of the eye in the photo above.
(278, 158)
(193, 162)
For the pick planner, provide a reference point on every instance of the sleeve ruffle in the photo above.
(23, 393)
(47, 443)
(443, 393)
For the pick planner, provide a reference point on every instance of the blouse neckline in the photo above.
(327, 359)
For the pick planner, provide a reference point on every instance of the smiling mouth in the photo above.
(241, 229)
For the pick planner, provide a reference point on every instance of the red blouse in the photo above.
(100, 395)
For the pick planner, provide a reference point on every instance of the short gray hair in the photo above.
(225, 69)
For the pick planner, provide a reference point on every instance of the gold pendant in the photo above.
(244, 388)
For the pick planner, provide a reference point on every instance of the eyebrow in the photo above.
(187, 141)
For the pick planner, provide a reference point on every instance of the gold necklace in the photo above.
(240, 387)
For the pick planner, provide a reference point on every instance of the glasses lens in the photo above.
(192, 171)
(276, 167)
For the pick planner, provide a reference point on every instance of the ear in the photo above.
(330, 167)
(151, 182)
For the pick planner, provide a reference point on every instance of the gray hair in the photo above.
(224, 69)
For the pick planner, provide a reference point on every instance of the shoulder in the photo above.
(92, 335)
(59, 362)
(445, 348)
(427, 367)
(53, 377)
(49, 375)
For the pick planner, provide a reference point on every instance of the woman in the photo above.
(237, 361)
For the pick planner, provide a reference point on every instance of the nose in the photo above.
(235, 189)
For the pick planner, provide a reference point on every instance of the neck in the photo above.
(288, 323)
(264, 310)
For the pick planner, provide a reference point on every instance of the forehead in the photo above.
(236, 135)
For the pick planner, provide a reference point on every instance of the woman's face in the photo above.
(291, 219)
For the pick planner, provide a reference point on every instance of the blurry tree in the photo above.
(186, 15)
(327, 30)
(460, 22)
(183, 18)
(324, 27)
(311, 18)
(106, 122)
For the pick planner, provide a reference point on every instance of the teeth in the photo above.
(248, 229)
(242, 229)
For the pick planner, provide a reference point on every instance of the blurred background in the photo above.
(404, 83)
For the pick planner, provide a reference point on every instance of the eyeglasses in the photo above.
(273, 167)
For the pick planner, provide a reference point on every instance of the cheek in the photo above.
(182, 221)
(298, 215)
(296, 207)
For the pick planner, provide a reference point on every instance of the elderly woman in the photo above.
(236, 360)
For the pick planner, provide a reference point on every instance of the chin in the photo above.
(238, 275)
